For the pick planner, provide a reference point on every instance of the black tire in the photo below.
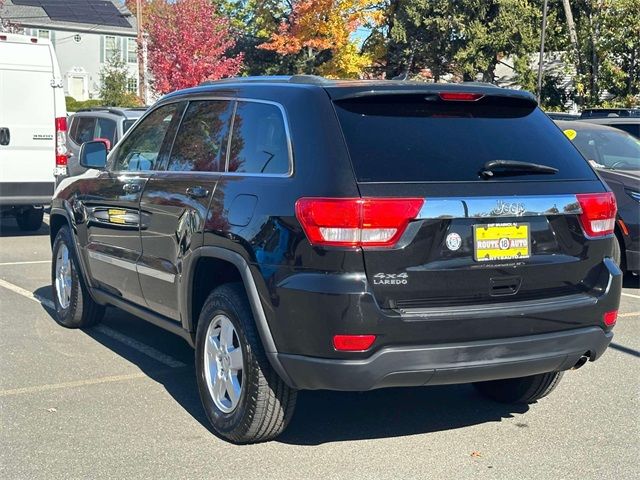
(520, 390)
(266, 403)
(82, 311)
(30, 219)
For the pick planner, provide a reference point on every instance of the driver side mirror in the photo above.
(106, 141)
(93, 155)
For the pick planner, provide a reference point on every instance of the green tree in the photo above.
(114, 81)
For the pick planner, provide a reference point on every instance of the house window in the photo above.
(132, 85)
(44, 34)
(132, 50)
(110, 47)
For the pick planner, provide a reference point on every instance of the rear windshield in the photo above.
(412, 138)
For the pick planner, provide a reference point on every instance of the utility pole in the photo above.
(542, 34)
(142, 86)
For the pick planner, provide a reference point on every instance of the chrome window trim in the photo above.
(496, 207)
(201, 97)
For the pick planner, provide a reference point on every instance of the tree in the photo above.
(188, 44)
(318, 33)
(114, 81)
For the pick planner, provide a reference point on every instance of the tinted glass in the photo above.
(609, 149)
(106, 128)
(632, 128)
(85, 129)
(416, 138)
(127, 124)
(259, 140)
(201, 142)
(140, 150)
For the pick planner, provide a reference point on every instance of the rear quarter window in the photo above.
(413, 138)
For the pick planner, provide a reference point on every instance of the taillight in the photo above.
(356, 222)
(61, 143)
(598, 216)
(353, 343)
(461, 96)
(610, 318)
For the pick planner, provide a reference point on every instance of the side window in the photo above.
(106, 128)
(73, 129)
(140, 150)
(84, 130)
(259, 140)
(201, 142)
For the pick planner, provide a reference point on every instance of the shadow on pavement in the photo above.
(9, 228)
(631, 281)
(321, 416)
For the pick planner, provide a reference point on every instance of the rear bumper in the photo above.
(26, 193)
(449, 363)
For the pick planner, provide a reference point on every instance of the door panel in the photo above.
(112, 205)
(175, 201)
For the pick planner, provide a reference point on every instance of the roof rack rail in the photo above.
(300, 79)
(113, 110)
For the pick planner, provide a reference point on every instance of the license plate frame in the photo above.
(496, 236)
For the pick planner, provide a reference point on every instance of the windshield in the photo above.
(408, 138)
(611, 150)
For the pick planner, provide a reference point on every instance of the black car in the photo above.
(616, 156)
(631, 125)
(303, 233)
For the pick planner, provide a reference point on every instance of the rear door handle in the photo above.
(197, 192)
(132, 187)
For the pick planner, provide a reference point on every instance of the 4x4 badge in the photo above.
(390, 279)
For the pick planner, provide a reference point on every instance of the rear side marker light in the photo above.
(356, 222)
(598, 217)
(461, 96)
(610, 318)
(353, 343)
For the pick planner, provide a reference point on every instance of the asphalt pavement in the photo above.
(120, 401)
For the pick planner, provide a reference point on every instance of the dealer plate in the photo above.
(501, 241)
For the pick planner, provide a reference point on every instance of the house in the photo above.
(85, 35)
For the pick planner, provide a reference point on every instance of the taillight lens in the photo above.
(610, 318)
(356, 222)
(353, 343)
(598, 216)
(61, 142)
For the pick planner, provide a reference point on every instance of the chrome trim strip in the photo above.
(112, 260)
(127, 265)
(152, 272)
(491, 207)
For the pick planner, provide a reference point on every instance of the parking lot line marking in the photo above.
(77, 383)
(630, 295)
(141, 347)
(26, 293)
(151, 352)
(33, 262)
(631, 314)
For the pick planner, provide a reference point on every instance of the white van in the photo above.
(33, 127)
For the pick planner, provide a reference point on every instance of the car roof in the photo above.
(612, 120)
(127, 113)
(584, 126)
(342, 89)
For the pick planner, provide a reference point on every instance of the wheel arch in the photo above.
(239, 270)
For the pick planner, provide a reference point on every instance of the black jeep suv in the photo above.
(302, 233)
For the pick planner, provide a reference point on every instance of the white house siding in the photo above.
(81, 61)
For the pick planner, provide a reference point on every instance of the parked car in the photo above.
(562, 116)
(610, 112)
(33, 127)
(105, 123)
(303, 233)
(616, 156)
(630, 125)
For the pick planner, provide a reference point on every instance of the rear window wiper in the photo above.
(512, 167)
